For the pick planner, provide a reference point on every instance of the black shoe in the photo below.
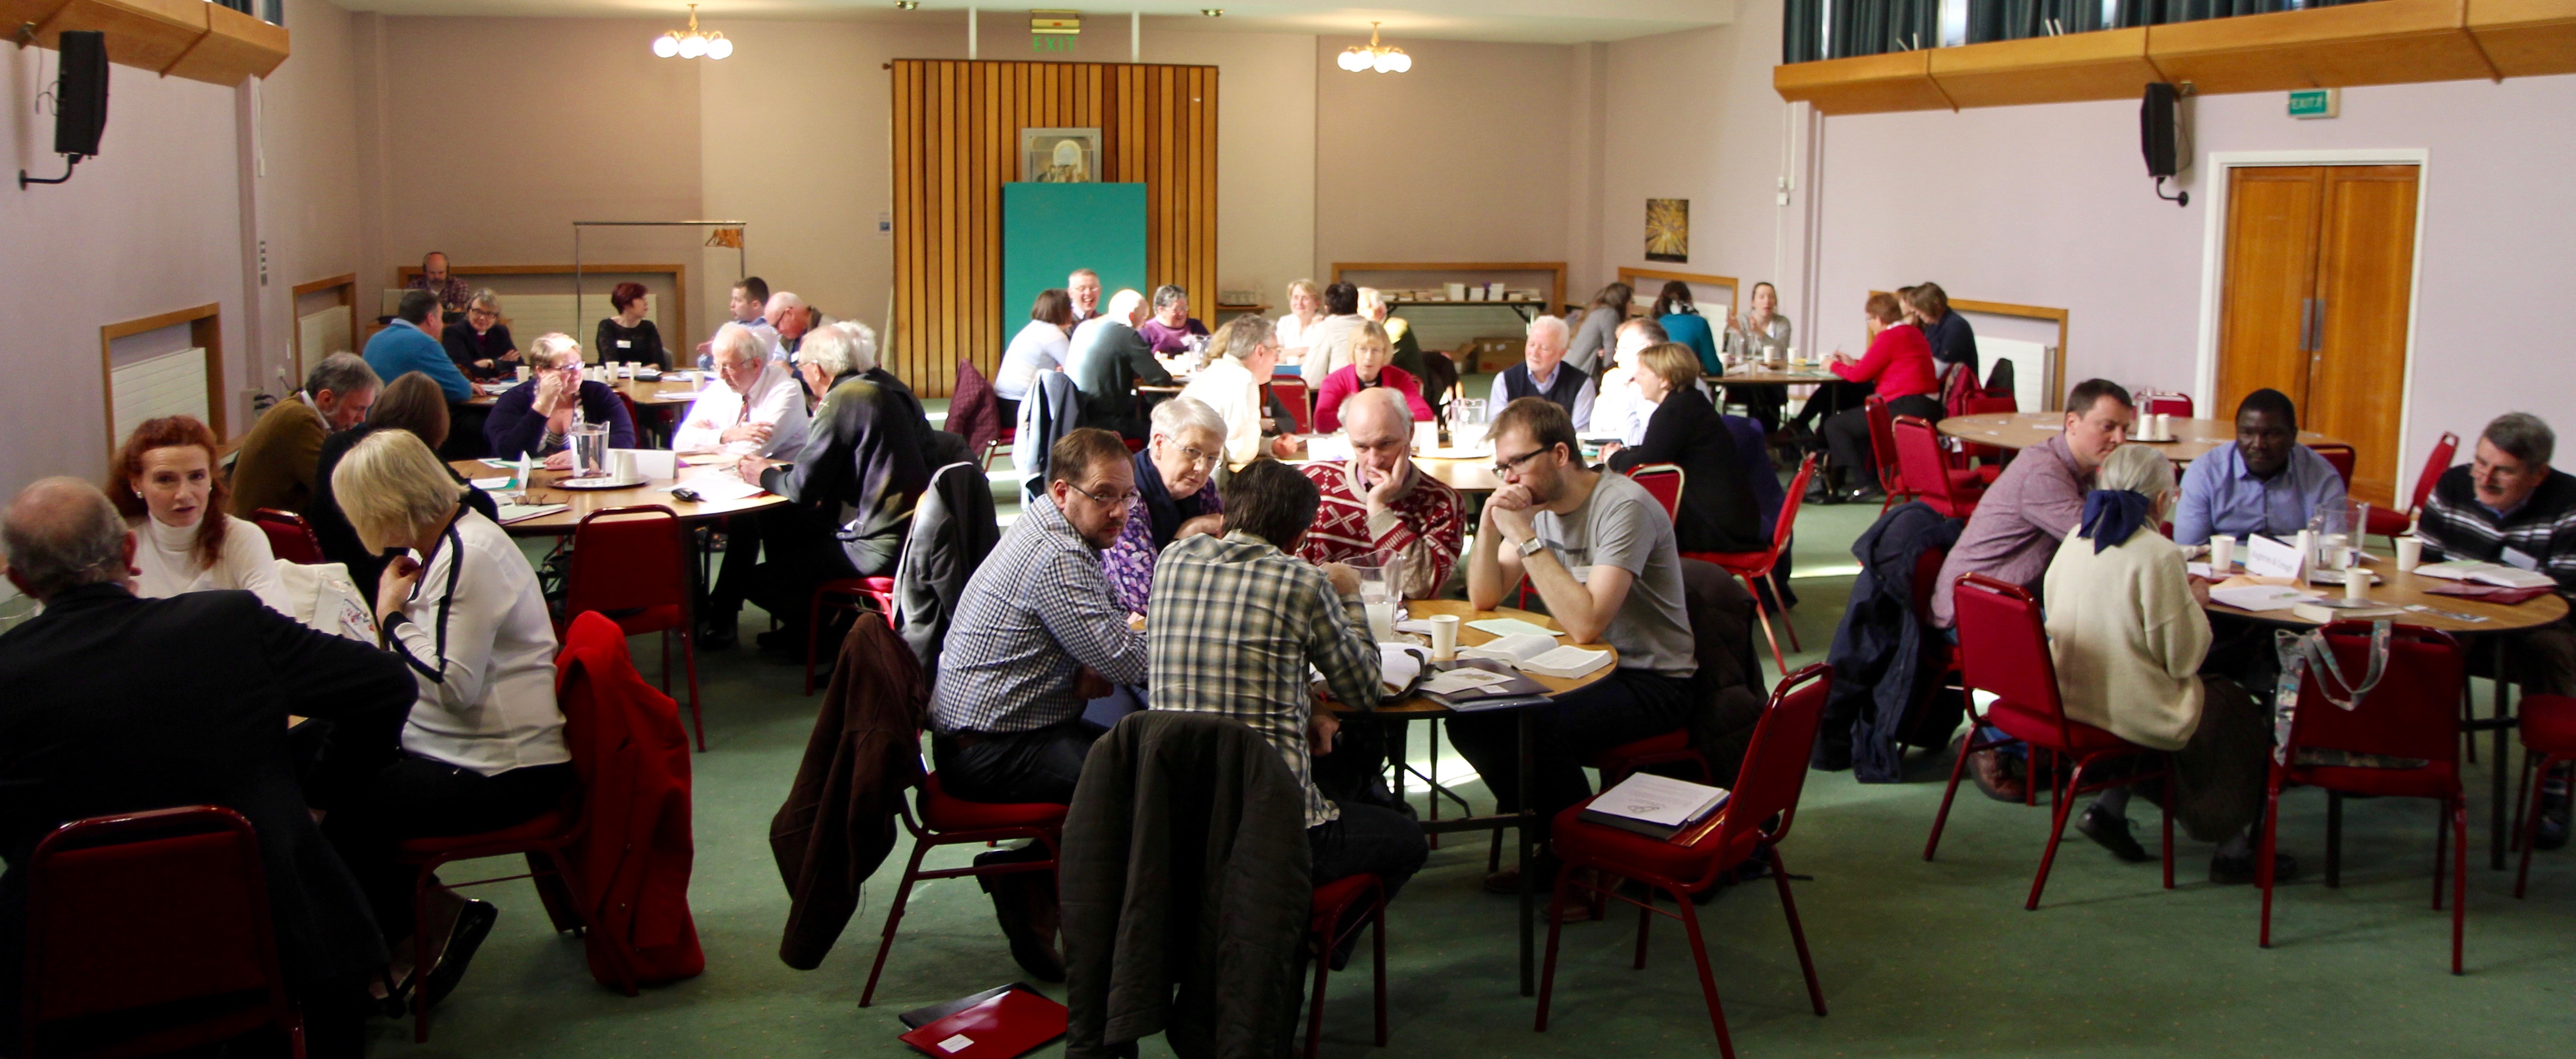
(473, 924)
(2552, 832)
(2112, 833)
(718, 633)
(2239, 871)
(1034, 952)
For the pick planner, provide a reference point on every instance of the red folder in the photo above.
(1005, 1027)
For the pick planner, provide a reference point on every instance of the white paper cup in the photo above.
(523, 373)
(2222, 556)
(2410, 553)
(621, 464)
(2356, 583)
(1444, 637)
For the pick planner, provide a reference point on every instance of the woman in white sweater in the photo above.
(2128, 636)
(484, 746)
(171, 495)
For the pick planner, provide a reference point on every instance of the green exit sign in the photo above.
(2313, 103)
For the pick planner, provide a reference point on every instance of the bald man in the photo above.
(1378, 500)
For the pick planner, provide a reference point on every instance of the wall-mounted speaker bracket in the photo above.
(69, 161)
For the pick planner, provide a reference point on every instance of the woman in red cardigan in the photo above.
(1370, 352)
(1899, 361)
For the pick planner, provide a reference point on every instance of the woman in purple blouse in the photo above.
(1175, 495)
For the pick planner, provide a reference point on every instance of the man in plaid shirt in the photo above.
(2507, 506)
(1237, 622)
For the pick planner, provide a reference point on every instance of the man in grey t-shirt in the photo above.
(1599, 550)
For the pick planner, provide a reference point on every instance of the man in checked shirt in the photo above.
(1237, 622)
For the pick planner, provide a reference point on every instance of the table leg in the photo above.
(1529, 820)
(2496, 762)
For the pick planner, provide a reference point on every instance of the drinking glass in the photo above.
(590, 450)
(1467, 419)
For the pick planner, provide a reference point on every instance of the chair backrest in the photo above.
(2172, 404)
(1993, 403)
(1790, 504)
(1958, 385)
(1927, 577)
(289, 536)
(1291, 391)
(1882, 444)
(1999, 379)
(627, 557)
(1918, 453)
(152, 908)
(2003, 648)
(2339, 456)
(1664, 480)
(2435, 462)
(1775, 762)
(2414, 711)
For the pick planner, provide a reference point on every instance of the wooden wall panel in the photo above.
(956, 128)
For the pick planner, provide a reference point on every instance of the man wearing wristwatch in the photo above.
(1599, 549)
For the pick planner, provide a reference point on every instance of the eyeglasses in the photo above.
(1121, 499)
(1511, 466)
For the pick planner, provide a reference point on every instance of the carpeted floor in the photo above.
(1916, 958)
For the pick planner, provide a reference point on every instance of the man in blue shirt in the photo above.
(410, 344)
(2263, 482)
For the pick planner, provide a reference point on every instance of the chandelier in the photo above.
(1385, 59)
(692, 44)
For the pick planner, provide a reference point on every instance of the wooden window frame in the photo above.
(679, 287)
(205, 330)
(1734, 287)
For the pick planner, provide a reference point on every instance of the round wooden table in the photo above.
(1757, 375)
(2193, 438)
(584, 501)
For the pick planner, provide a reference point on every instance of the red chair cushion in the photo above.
(1335, 896)
(2549, 723)
(942, 812)
(1576, 838)
(545, 826)
(1677, 739)
(1736, 562)
(2039, 730)
(2384, 522)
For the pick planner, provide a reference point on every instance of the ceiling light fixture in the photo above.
(692, 44)
(1385, 59)
(906, 5)
(1212, 12)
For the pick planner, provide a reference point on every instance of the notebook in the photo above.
(1540, 654)
(1481, 684)
(1654, 806)
(923, 1016)
(1008, 1025)
(2486, 574)
(522, 512)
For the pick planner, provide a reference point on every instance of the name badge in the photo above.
(2519, 559)
(625, 343)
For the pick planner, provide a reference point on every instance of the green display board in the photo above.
(1049, 230)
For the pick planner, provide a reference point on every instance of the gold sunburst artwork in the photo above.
(1668, 230)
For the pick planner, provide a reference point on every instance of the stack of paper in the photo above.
(2486, 574)
(522, 512)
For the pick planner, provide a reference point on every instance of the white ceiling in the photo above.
(1520, 21)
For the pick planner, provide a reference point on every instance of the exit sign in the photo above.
(2313, 103)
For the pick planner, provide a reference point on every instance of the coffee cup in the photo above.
(1444, 637)
(2356, 583)
(2222, 556)
(621, 464)
(2410, 553)
(523, 373)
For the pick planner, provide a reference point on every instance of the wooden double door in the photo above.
(2320, 266)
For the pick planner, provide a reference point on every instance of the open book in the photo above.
(1533, 653)
(1654, 806)
(2486, 574)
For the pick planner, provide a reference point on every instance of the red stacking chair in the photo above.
(2172, 404)
(2389, 522)
(938, 819)
(1664, 480)
(2549, 731)
(167, 910)
(1749, 565)
(1951, 491)
(1292, 391)
(854, 594)
(1751, 827)
(289, 536)
(1989, 458)
(2409, 714)
(631, 564)
(1324, 933)
(1882, 450)
(2341, 457)
(2003, 650)
(1010, 433)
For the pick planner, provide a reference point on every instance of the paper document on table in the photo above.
(1513, 649)
(1511, 627)
(488, 484)
(1566, 662)
(2259, 597)
(2485, 573)
(1454, 681)
(522, 512)
(716, 487)
(1398, 666)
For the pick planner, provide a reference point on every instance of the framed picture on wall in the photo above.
(1060, 156)
(1668, 230)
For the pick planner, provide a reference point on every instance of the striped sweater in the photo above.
(2456, 526)
(1426, 524)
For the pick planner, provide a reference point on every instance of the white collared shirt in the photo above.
(776, 398)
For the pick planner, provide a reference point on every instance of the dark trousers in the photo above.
(1834, 397)
(1015, 767)
(415, 797)
(1762, 403)
(802, 551)
(1847, 435)
(1632, 704)
(1367, 838)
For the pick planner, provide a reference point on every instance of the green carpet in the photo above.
(1916, 958)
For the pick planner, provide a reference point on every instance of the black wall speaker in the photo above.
(80, 112)
(2160, 129)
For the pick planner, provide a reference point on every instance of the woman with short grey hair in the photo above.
(1170, 330)
(1175, 495)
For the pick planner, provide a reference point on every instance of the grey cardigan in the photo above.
(1594, 341)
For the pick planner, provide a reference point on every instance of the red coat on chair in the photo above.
(632, 867)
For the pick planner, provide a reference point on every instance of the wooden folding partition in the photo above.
(956, 142)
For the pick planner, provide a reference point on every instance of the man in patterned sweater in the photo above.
(2507, 506)
(1379, 501)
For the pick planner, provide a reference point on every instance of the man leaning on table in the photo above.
(2507, 506)
(2262, 482)
(1599, 550)
(757, 406)
(1235, 381)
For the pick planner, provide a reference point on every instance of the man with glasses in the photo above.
(1176, 495)
(1038, 633)
(1379, 501)
(1599, 550)
(1235, 382)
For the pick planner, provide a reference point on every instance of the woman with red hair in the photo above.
(165, 483)
(628, 335)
